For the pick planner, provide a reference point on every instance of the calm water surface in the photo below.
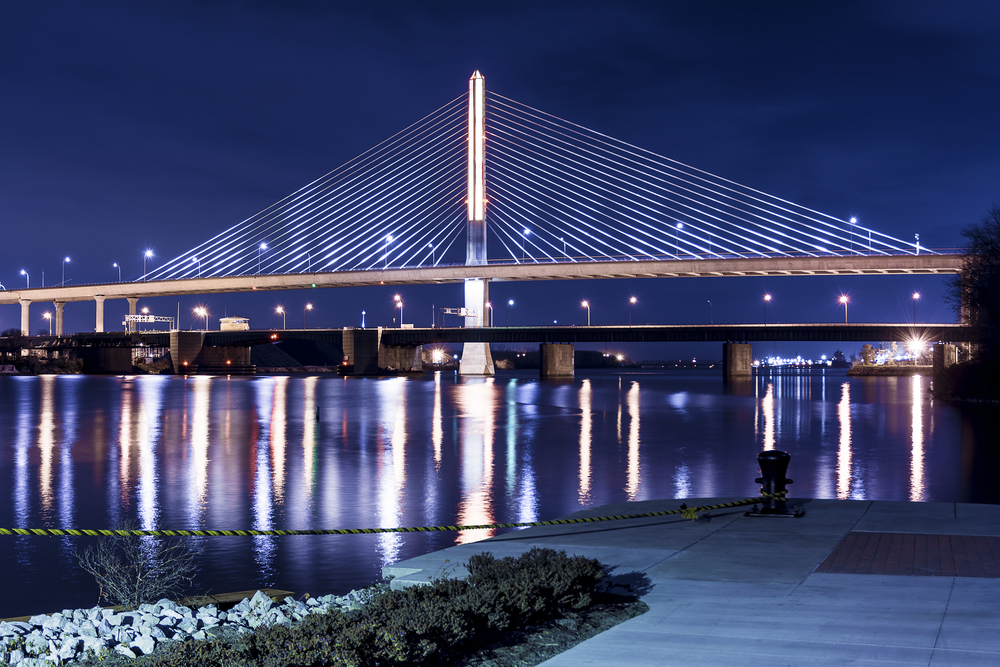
(213, 452)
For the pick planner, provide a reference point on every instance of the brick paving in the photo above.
(915, 554)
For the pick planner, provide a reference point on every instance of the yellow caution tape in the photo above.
(685, 512)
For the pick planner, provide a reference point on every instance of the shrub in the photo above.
(423, 625)
(131, 570)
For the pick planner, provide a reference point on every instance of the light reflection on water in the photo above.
(326, 452)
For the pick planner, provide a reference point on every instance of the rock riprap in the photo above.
(78, 634)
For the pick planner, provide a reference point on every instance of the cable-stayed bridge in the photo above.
(486, 188)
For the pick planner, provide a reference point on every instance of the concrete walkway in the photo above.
(851, 583)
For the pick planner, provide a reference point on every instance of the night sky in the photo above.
(156, 125)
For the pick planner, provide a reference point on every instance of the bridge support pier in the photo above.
(557, 360)
(59, 316)
(476, 360)
(185, 350)
(364, 350)
(132, 302)
(99, 325)
(737, 360)
(25, 316)
(945, 355)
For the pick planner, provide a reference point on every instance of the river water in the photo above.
(319, 452)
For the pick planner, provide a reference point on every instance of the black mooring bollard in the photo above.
(773, 466)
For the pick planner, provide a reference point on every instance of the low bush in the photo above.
(423, 625)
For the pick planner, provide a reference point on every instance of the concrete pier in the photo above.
(364, 350)
(476, 360)
(25, 316)
(59, 316)
(99, 324)
(737, 360)
(557, 360)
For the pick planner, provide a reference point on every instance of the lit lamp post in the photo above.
(198, 261)
(64, 270)
(309, 306)
(854, 221)
(506, 312)
(280, 310)
(524, 235)
(261, 248)
(843, 299)
(146, 255)
(677, 239)
(767, 300)
(115, 266)
(385, 257)
(631, 302)
(916, 297)
(431, 246)
(145, 311)
(489, 319)
(26, 278)
(399, 304)
(201, 311)
(362, 319)
(48, 316)
(586, 304)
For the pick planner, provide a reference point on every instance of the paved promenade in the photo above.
(850, 583)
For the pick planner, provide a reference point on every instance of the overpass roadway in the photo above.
(940, 263)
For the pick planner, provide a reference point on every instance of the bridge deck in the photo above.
(861, 332)
(694, 268)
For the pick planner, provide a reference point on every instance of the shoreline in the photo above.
(889, 371)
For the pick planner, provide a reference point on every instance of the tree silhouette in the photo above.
(975, 292)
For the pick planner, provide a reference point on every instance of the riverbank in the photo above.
(889, 371)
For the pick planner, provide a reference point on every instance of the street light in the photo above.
(115, 266)
(385, 257)
(854, 221)
(506, 312)
(280, 310)
(145, 311)
(586, 304)
(916, 243)
(362, 319)
(431, 246)
(27, 278)
(489, 318)
(201, 311)
(195, 259)
(524, 235)
(64, 270)
(261, 248)
(147, 255)
(843, 299)
(711, 313)
(677, 240)
(399, 304)
(309, 306)
(631, 302)
(916, 297)
(48, 316)
(767, 300)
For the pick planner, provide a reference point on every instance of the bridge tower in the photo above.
(476, 357)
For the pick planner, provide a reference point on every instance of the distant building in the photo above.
(234, 324)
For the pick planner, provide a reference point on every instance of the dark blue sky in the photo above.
(128, 126)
